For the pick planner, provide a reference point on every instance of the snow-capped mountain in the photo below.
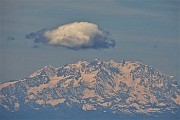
(128, 87)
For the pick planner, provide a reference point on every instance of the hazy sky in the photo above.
(146, 31)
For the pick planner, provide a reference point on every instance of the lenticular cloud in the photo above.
(77, 35)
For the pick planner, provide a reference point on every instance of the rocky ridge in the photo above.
(128, 87)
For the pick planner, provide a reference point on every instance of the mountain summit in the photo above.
(128, 87)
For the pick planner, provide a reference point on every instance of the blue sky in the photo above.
(143, 30)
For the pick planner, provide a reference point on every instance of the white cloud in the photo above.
(77, 35)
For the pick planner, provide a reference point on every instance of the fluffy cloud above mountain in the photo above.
(77, 35)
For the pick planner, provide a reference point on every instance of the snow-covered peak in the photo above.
(48, 67)
(127, 86)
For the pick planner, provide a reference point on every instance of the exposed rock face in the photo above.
(127, 87)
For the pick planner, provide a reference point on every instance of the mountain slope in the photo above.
(125, 88)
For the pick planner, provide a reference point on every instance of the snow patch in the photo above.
(88, 107)
(55, 101)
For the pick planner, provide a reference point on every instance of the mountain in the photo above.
(125, 88)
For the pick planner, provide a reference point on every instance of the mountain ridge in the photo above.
(128, 87)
